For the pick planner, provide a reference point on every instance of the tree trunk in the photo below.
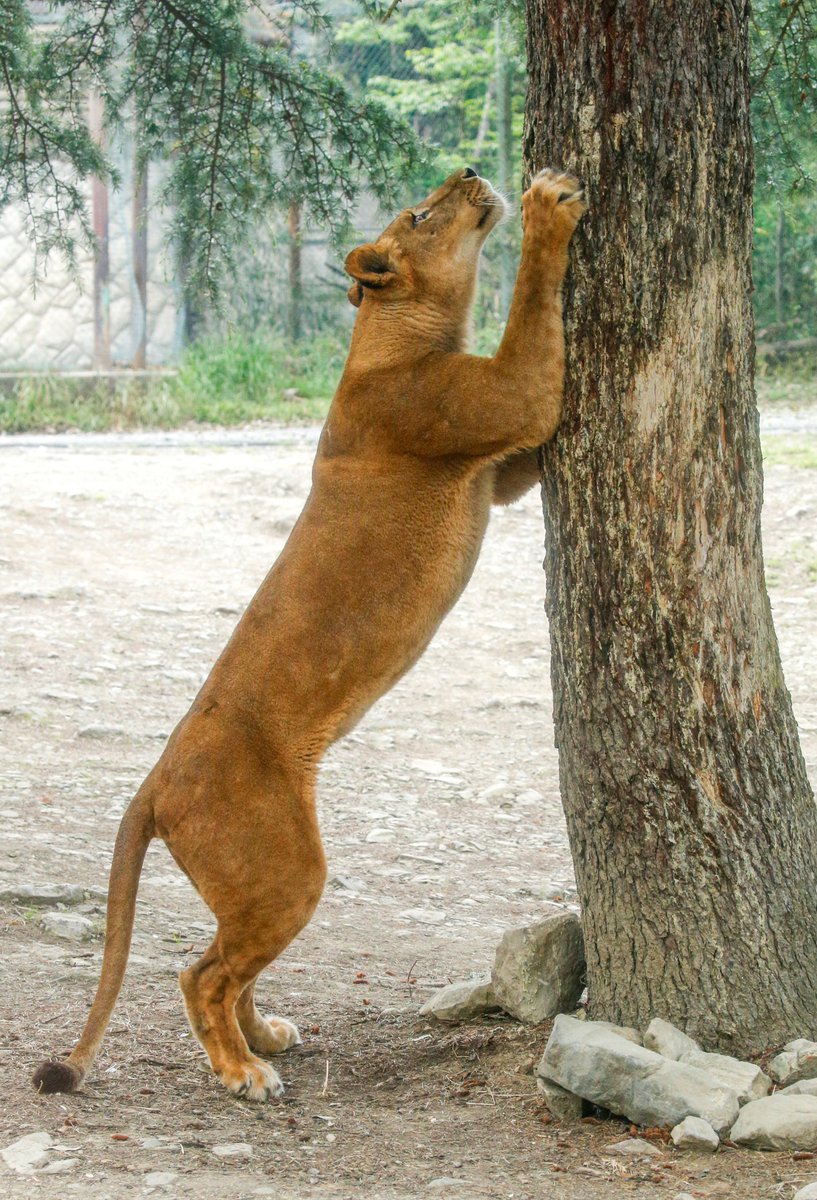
(692, 825)
(504, 140)
(295, 297)
(779, 251)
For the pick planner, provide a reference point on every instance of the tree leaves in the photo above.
(243, 119)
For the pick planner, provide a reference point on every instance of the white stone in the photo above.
(693, 1133)
(58, 1166)
(539, 969)
(666, 1039)
(70, 926)
(806, 1087)
(424, 916)
(161, 1179)
(630, 1080)
(625, 1031)
(27, 1152)
(809, 1192)
(635, 1148)
(233, 1150)
(780, 1122)
(462, 1001)
(797, 1061)
(564, 1105)
(745, 1078)
(39, 895)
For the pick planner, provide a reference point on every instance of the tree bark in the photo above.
(692, 825)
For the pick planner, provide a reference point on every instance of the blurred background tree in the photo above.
(284, 131)
(784, 122)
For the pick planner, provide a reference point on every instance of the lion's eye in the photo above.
(417, 217)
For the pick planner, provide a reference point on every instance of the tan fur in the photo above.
(420, 438)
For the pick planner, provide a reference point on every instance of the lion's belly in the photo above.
(353, 601)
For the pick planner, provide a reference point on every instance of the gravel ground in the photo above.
(124, 564)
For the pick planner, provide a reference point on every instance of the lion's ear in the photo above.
(372, 268)
(355, 294)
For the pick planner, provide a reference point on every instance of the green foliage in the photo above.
(784, 121)
(433, 63)
(219, 382)
(244, 121)
(456, 72)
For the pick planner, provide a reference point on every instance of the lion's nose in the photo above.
(469, 173)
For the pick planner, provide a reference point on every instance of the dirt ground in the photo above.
(124, 564)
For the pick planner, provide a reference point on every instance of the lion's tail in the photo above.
(135, 832)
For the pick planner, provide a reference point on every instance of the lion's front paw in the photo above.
(254, 1080)
(553, 204)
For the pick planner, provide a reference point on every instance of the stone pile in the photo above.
(670, 1081)
(538, 972)
(662, 1078)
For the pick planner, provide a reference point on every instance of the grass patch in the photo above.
(219, 382)
(790, 382)
(790, 450)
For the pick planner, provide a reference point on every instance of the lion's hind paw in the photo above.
(273, 1035)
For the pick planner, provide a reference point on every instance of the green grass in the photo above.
(792, 382)
(800, 560)
(234, 380)
(219, 382)
(790, 450)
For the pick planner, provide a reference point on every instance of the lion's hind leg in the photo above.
(211, 988)
(259, 867)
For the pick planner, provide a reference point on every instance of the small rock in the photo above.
(809, 1192)
(424, 916)
(58, 1166)
(462, 1001)
(797, 1061)
(562, 1104)
(634, 1147)
(347, 883)
(664, 1038)
(70, 926)
(780, 1122)
(693, 1133)
(625, 1031)
(806, 1087)
(444, 1181)
(160, 1179)
(24, 1154)
(745, 1078)
(380, 834)
(539, 969)
(102, 731)
(630, 1080)
(233, 1150)
(43, 895)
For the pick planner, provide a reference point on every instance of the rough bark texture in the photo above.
(692, 824)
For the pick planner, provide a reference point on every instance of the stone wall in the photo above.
(50, 326)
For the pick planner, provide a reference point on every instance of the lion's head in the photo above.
(430, 252)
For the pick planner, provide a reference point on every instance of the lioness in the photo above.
(420, 439)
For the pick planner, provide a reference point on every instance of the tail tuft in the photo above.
(57, 1077)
